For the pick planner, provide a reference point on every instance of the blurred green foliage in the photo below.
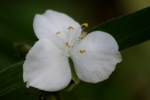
(129, 30)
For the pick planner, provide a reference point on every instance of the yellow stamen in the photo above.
(82, 51)
(59, 33)
(84, 25)
(70, 28)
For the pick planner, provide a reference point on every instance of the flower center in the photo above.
(69, 38)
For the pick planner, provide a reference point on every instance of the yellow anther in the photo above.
(67, 45)
(70, 28)
(84, 25)
(59, 33)
(82, 51)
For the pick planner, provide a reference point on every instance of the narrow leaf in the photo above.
(129, 30)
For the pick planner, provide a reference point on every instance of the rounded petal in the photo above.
(95, 57)
(61, 20)
(46, 67)
(55, 25)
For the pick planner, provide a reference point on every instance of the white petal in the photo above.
(95, 57)
(46, 67)
(61, 20)
(51, 22)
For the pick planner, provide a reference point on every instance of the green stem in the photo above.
(75, 78)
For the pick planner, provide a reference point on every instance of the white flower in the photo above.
(46, 66)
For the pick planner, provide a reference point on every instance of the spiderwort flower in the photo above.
(46, 66)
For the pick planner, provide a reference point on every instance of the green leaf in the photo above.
(10, 67)
(129, 30)
(10, 77)
(11, 81)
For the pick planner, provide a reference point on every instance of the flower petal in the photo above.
(46, 67)
(55, 26)
(95, 57)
